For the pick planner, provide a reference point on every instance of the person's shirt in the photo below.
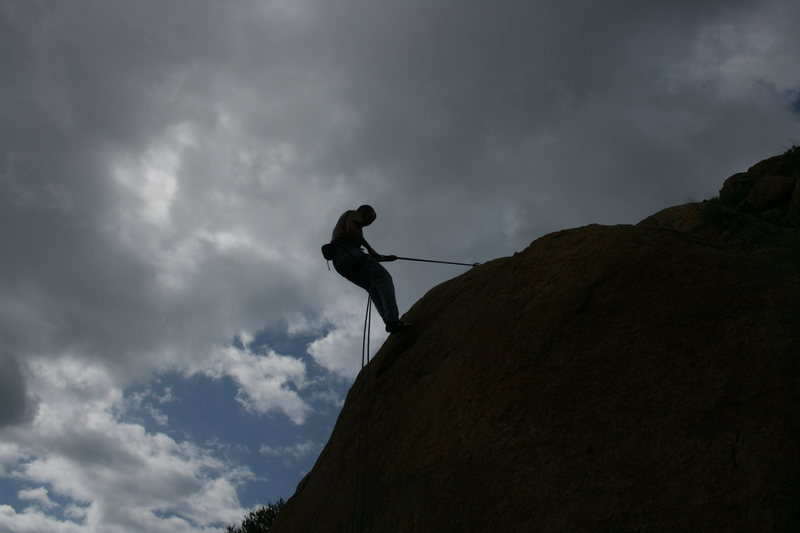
(340, 230)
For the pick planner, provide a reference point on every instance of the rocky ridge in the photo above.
(606, 378)
(757, 211)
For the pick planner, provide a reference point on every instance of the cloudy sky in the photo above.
(173, 349)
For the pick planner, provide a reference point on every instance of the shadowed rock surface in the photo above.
(623, 378)
(757, 211)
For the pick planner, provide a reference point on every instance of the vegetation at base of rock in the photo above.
(259, 520)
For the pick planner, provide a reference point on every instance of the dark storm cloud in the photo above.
(73, 97)
(168, 171)
(15, 403)
(88, 84)
(479, 126)
(472, 127)
(523, 106)
(452, 76)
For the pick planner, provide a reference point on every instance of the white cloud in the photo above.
(292, 451)
(264, 381)
(339, 351)
(112, 474)
(168, 174)
(160, 418)
(32, 520)
(38, 495)
(10, 454)
(150, 180)
(143, 400)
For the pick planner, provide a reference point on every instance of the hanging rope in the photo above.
(362, 449)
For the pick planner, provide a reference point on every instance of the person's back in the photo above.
(340, 229)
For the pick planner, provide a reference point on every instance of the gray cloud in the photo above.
(16, 405)
(168, 170)
(550, 116)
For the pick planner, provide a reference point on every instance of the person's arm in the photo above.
(355, 232)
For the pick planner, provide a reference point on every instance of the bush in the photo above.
(259, 520)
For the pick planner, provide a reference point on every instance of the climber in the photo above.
(364, 269)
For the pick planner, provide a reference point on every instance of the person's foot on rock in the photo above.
(396, 326)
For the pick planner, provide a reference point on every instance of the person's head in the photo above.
(369, 214)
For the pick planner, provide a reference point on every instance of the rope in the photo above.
(363, 433)
(434, 261)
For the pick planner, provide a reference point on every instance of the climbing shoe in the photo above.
(396, 326)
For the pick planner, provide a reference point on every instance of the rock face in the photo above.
(758, 211)
(623, 378)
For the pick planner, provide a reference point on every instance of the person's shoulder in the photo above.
(354, 215)
(347, 215)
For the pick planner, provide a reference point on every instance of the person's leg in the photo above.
(346, 261)
(383, 292)
(373, 278)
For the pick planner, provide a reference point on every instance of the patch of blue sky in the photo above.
(205, 412)
(21, 495)
(287, 452)
(9, 489)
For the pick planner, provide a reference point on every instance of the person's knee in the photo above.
(381, 275)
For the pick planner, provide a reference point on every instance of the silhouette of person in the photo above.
(364, 269)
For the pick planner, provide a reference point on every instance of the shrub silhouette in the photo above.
(259, 520)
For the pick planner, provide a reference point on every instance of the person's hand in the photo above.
(388, 258)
